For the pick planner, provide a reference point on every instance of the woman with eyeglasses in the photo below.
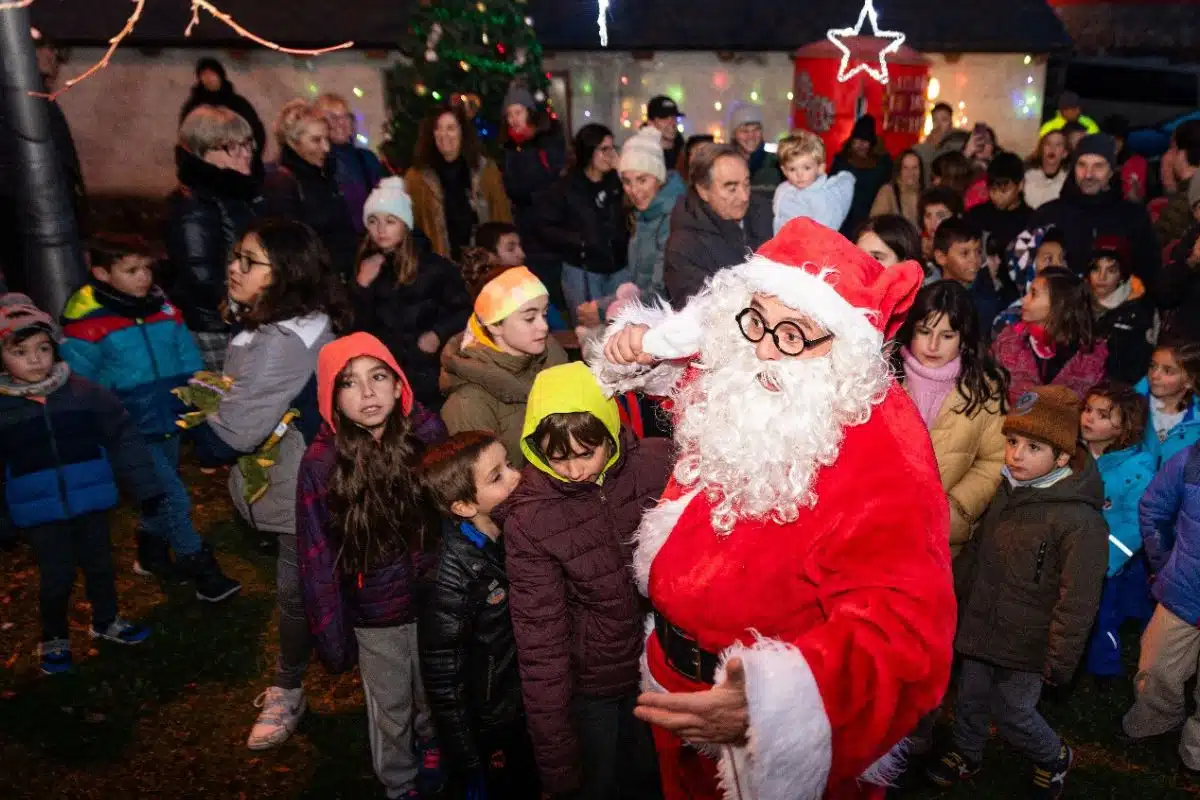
(285, 304)
(302, 184)
(581, 219)
(358, 170)
(217, 199)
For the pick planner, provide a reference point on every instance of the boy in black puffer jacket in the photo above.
(468, 651)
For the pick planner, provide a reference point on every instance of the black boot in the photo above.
(153, 557)
(212, 585)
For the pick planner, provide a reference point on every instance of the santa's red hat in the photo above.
(819, 272)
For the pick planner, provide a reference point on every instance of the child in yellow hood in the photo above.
(576, 612)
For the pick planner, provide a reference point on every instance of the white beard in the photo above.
(755, 452)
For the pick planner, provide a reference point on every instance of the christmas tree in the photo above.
(465, 53)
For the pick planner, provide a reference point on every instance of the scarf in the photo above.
(1045, 482)
(126, 305)
(1041, 341)
(1119, 296)
(36, 391)
(520, 137)
(929, 386)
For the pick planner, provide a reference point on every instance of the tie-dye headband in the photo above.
(507, 292)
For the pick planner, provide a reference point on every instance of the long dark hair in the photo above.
(981, 380)
(900, 235)
(303, 280)
(899, 167)
(402, 261)
(377, 508)
(1070, 320)
(587, 141)
(425, 153)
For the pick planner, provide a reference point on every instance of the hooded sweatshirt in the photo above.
(486, 389)
(576, 613)
(1028, 583)
(334, 601)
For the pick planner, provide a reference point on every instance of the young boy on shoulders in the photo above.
(1028, 586)
(465, 635)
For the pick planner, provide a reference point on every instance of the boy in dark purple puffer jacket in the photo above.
(363, 528)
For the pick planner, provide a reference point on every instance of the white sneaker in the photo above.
(281, 713)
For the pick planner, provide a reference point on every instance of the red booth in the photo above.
(828, 107)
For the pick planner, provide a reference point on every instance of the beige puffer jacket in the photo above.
(970, 454)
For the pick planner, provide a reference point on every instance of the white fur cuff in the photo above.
(789, 746)
(669, 338)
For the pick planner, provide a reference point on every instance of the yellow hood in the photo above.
(566, 389)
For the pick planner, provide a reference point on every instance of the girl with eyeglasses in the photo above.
(285, 304)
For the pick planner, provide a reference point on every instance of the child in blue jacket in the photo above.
(61, 437)
(1170, 385)
(123, 334)
(1111, 426)
(1169, 517)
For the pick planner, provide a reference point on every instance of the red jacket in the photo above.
(1083, 371)
(576, 613)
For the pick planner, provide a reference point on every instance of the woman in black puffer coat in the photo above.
(216, 200)
(303, 185)
(407, 296)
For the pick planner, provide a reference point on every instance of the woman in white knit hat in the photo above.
(653, 190)
(405, 294)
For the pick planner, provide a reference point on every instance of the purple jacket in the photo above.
(337, 603)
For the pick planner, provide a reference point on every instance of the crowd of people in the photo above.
(388, 368)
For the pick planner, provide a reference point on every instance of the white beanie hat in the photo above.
(745, 114)
(390, 197)
(643, 152)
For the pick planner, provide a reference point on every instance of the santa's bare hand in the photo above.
(626, 346)
(717, 716)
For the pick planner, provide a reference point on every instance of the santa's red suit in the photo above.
(844, 617)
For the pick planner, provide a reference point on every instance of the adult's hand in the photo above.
(369, 269)
(626, 346)
(720, 715)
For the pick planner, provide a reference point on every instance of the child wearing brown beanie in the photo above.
(1028, 585)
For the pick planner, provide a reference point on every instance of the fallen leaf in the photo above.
(8, 626)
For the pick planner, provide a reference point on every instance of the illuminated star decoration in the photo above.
(602, 23)
(835, 35)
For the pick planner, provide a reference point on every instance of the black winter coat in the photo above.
(1127, 329)
(1084, 218)
(533, 165)
(1178, 289)
(701, 243)
(584, 224)
(437, 300)
(295, 189)
(1028, 582)
(209, 212)
(468, 651)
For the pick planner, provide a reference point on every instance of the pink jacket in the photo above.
(1012, 349)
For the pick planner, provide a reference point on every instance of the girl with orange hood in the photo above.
(363, 527)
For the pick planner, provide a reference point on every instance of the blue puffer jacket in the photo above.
(58, 454)
(1126, 474)
(649, 240)
(1181, 437)
(137, 347)
(1169, 516)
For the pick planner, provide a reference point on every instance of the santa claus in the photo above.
(798, 562)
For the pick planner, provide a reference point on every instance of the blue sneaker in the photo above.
(56, 656)
(121, 631)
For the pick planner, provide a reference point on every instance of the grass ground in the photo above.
(169, 719)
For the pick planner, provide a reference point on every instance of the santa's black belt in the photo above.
(682, 652)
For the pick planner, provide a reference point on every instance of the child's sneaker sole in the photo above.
(57, 667)
(137, 636)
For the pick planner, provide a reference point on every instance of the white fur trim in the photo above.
(649, 684)
(670, 344)
(652, 533)
(789, 746)
(811, 294)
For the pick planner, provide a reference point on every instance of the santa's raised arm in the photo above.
(798, 564)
